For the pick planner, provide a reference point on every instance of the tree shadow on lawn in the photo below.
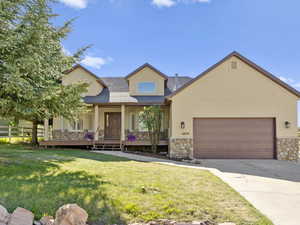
(84, 154)
(59, 155)
(42, 188)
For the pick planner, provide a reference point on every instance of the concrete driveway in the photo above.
(271, 186)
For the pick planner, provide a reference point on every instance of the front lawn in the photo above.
(116, 190)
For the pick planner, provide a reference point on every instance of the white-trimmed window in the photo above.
(146, 87)
(135, 124)
(76, 125)
(132, 121)
(141, 125)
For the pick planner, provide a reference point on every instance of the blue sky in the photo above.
(184, 36)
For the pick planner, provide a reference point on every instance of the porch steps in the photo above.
(108, 147)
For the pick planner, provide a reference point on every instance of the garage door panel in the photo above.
(239, 137)
(234, 138)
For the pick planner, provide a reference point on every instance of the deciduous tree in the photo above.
(151, 117)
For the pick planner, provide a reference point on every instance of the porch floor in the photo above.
(90, 143)
(145, 143)
(77, 143)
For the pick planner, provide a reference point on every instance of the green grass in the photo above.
(15, 140)
(116, 190)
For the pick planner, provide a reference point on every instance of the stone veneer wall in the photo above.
(181, 148)
(144, 136)
(67, 135)
(288, 149)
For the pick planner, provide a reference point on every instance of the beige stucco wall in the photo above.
(146, 75)
(241, 92)
(80, 75)
(88, 122)
(88, 118)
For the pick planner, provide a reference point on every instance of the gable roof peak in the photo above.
(249, 63)
(144, 66)
(86, 70)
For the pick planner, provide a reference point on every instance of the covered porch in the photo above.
(104, 124)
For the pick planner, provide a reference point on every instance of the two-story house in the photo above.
(234, 109)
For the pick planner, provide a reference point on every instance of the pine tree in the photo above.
(32, 63)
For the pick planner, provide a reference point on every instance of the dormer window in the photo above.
(146, 87)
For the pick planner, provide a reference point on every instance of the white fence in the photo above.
(7, 131)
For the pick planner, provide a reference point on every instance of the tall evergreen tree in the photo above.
(32, 63)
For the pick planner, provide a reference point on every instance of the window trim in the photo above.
(137, 123)
(146, 82)
(77, 124)
(132, 121)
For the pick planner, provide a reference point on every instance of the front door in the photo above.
(112, 125)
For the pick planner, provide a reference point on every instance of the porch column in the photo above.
(46, 129)
(122, 122)
(96, 122)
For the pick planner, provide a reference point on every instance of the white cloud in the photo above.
(81, 4)
(95, 62)
(163, 3)
(290, 81)
(170, 3)
(194, 1)
(201, 1)
(77, 4)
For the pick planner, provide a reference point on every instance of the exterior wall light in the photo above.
(287, 124)
(182, 125)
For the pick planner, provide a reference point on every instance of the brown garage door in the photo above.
(234, 138)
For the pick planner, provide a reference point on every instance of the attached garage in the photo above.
(234, 138)
(234, 110)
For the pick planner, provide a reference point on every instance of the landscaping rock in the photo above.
(172, 222)
(71, 214)
(4, 216)
(186, 160)
(162, 222)
(228, 223)
(196, 161)
(21, 216)
(47, 220)
(193, 161)
(196, 223)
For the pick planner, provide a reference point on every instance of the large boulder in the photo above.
(70, 214)
(21, 216)
(4, 216)
(47, 220)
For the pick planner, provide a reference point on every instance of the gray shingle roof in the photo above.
(118, 84)
(117, 91)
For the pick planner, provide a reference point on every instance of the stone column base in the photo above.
(288, 149)
(181, 148)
